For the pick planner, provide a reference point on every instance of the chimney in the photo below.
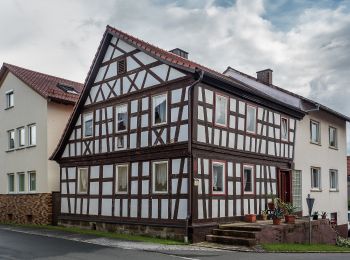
(179, 52)
(265, 76)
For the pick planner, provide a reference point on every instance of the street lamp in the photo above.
(310, 203)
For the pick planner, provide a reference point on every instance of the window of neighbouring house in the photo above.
(333, 137)
(218, 186)
(11, 136)
(284, 129)
(296, 190)
(315, 178)
(87, 125)
(11, 182)
(251, 119)
(248, 179)
(315, 132)
(122, 118)
(333, 180)
(32, 135)
(21, 181)
(160, 177)
(9, 99)
(159, 107)
(32, 180)
(21, 136)
(122, 178)
(83, 180)
(220, 110)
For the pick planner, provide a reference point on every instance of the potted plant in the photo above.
(315, 215)
(277, 215)
(250, 218)
(271, 202)
(264, 214)
(324, 215)
(289, 211)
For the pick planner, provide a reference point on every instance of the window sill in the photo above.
(30, 146)
(316, 190)
(333, 190)
(10, 150)
(319, 144)
(333, 148)
(8, 108)
(21, 148)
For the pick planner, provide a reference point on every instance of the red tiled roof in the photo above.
(43, 84)
(348, 165)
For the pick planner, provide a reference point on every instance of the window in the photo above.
(220, 110)
(284, 129)
(120, 142)
(122, 179)
(248, 179)
(122, 117)
(121, 66)
(218, 178)
(9, 99)
(32, 180)
(67, 89)
(160, 177)
(11, 182)
(333, 180)
(251, 119)
(87, 126)
(21, 136)
(11, 136)
(315, 132)
(32, 135)
(21, 181)
(83, 178)
(333, 142)
(315, 178)
(159, 109)
(296, 190)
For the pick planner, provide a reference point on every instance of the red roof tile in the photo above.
(43, 84)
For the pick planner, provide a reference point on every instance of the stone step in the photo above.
(241, 227)
(234, 233)
(228, 240)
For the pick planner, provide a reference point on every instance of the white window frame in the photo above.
(21, 136)
(154, 177)
(116, 179)
(318, 141)
(247, 119)
(287, 129)
(8, 94)
(319, 179)
(218, 163)
(9, 139)
(32, 134)
(117, 108)
(336, 180)
(216, 109)
(79, 191)
(86, 117)
(18, 182)
(153, 109)
(251, 167)
(8, 183)
(335, 136)
(29, 181)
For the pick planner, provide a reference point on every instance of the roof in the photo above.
(291, 98)
(45, 85)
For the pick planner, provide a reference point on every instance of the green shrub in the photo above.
(343, 242)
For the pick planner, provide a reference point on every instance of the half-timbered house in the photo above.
(163, 145)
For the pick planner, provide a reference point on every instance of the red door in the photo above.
(285, 185)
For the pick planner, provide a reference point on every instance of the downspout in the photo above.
(190, 177)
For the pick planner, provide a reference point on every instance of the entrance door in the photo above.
(285, 185)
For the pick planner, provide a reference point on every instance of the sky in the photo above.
(305, 42)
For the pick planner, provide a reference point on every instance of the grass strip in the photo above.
(303, 248)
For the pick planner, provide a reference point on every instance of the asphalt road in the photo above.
(14, 245)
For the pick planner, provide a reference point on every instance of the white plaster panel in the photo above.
(94, 188)
(200, 209)
(199, 166)
(107, 188)
(241, 107)
(174, 183)
(174, 74)
(64, 205)
(230, 188)
(233, 104)
(200, 113)
(222, 208)
(270, 117)
(134, 169)
(176, 166)
(109, 53)
(134, 187)
(174, 114)
(209, 96)
(78, 204)
(240, 142)
(131, 64)
(206, 166)
(223, 138)
(144, 120)
(206, 186)
(184, 169)
(260, 113)
(63, 173)
(64, 188)
(144, 58)
(71, 173)
(200, 133)
(263, 146)
(144, 208)
(214, 208)
(238, 188)
(145, 103)
(200, 94)
(247, 143)
(184, 184)
(210, 134)
(210, 115)
(133, 208)
(106, 207)
(230, 208)
(271, 148)
(150, 81)
(230, 169)
(241, 123)
(133, 140)
(232, 122)
(238, 207)
(231, 140)
(245, 206)
(154, 208)
(93, 207)
(182, 212)
(253, 145)
(125, 208)
(145, 168)
(238, 170)
(251, 206)
(216, 136)
(164, 209)
(184, 115)
(78, 151)
(117, 207)
(145, 187)
(144, 138)
(134, 106)
(176, 95)
(100, 74)
(72, 187)
(124, 46)
(108, 171)
(161, 71)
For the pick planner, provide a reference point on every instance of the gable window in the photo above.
(32, 135)
(218, 178)
(333, 142)
(122, 179)
(315, 132)
(160, 177)
(122, 117)
(11, 182)
(9, 99)
(284, 129)
(248, 179)
(83, 179)
(159, 109)
(21, 136)
(333, 180)
(121, 66)
(32, 180)
(315, 178)
(220, 110)
(11, 136)
(87, 125)
(251, 119)
(21, 181)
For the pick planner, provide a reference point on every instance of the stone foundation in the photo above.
(26, 208)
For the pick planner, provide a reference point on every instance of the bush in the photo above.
(343, 242)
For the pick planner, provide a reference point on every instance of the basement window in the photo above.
(121, 66)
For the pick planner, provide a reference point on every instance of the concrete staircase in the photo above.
(230, 234)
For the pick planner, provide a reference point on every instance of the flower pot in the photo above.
(264, 217)
(271, 205)
(276, 221)
(290, 219)
(315, 217)
(250, 218)
(324, 217)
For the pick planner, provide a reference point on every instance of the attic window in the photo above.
(121, 66)
(67, 89)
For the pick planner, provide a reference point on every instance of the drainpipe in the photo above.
(190, 177)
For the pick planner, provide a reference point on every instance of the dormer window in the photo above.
(67, 89)
(9, 99)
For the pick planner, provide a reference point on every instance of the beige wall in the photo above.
(308, 155)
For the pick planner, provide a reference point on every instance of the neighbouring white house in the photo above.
(320, 162)
(34, 110)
